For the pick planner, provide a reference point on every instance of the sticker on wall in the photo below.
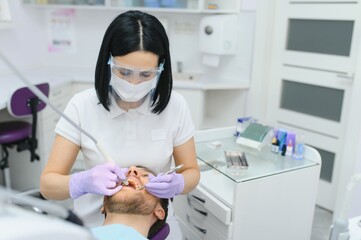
(61, 30)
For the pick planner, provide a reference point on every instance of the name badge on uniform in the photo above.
(158, 134)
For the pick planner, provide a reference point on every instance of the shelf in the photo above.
(62, 6)
(194, 7)
(151, 9)
(204, 85)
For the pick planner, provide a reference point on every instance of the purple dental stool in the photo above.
(21, 134)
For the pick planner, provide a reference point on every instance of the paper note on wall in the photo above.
(61, 30)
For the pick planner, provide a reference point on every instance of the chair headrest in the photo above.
(162, 233)
(18, 104)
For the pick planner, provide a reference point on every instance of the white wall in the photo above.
(26, 42)
(23, 41)
(261, 60)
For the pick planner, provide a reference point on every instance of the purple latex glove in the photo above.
(165, 186)
(101, 179)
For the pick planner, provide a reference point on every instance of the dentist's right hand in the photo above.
(101, 179)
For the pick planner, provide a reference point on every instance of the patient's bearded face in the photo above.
(130, 200)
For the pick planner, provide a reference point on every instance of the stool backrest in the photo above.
(162, 233)
(19, 105)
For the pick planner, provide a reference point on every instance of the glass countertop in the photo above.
(261, 163)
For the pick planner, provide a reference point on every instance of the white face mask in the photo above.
(129, 92)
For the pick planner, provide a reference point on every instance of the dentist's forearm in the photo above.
(55, 186)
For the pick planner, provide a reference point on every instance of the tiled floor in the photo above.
(322, 221)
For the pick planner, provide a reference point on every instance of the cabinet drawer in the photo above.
(195, 214)
(200, 226)
(188, 233)
(212, 204)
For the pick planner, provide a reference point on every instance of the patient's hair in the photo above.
(160, 222)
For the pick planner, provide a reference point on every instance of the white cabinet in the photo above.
(273, 199)
(204, 214)
(320, 36)
(213, 104)
(313, 64)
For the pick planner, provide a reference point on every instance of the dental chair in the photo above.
(22, 134)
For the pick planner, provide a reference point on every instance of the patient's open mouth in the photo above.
(133, 184)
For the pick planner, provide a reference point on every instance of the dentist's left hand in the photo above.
(101, 179)
(165, 186)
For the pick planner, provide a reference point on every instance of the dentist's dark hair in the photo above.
(129, 32)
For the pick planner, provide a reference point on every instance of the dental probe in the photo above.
(44, 98)
(172, 170)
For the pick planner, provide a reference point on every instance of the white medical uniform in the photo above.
(137, 137)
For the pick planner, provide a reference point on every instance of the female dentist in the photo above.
(133, 113)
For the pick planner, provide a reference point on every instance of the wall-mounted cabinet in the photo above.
(318, 38)
(196, 6)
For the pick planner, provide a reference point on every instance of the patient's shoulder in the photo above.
(116, 231)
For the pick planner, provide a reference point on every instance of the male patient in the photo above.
(132, 213)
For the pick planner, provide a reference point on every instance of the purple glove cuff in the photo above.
(181, 184)
(166, 186)
(74, 190)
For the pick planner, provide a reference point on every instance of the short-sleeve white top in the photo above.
(134, 137)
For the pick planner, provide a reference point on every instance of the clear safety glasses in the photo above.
(128, 73)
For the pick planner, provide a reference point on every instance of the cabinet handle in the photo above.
(202, 230)
(199, 199)
(201, 212)
(204, 213)
(345, 76)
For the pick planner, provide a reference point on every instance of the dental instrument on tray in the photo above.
(172, 170)
(44, 98)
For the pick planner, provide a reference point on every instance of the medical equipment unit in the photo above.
(274, 198)
(21, 134)
(27, 217)
(217, 34)
(44, 98)
(40, 219)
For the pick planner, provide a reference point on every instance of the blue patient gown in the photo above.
(116, 232)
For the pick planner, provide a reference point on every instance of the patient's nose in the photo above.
(133, 172)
